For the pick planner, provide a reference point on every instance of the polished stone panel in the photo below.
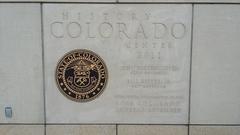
(21, 73)
(152, 130)
(215, 65)
(21, 129)
(214, 130)
(146, 49)
(81, 130)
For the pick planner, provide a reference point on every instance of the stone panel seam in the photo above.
(235, 125)
(190, 71)
(117, 2)
(43, 61)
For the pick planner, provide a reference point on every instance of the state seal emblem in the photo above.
(81, 75)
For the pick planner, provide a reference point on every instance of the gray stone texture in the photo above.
(81, 130)
(21, 129)
(215, 65)
(214, 130)
(152, 130)
(146, 49)
(21, 74)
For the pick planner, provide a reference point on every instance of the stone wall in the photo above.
(172, 67)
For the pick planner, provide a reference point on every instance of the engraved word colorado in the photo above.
(88, 28)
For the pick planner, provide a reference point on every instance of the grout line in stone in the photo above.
(190, 68)
(117, 2)
(224, 125)
(115, 124)
(72, 124)
(43, 124)
(190, 72)
(43, 66)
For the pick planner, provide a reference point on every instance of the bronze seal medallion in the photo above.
(81, 75)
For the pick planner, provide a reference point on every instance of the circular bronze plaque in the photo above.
(81, 75)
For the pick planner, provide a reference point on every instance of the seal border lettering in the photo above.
(75, 99)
